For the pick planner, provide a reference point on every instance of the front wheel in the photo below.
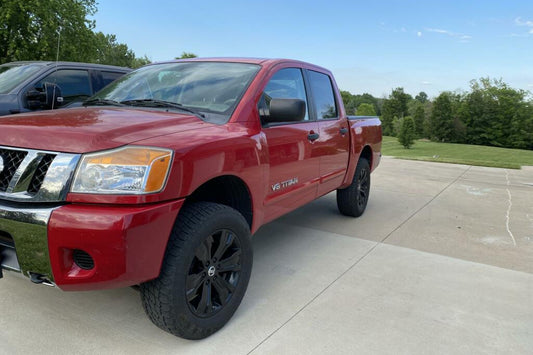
(352, 200)
(204, 274)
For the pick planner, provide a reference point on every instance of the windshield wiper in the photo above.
(161, 103)
(99, 101)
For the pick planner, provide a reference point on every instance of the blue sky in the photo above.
(369, 46)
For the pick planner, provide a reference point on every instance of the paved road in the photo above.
(441, 262)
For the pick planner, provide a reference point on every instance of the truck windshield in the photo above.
(211, 89)
(11, 75)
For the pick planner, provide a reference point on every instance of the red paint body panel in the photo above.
(127, 234)
(89, 129)
(126, 243)
(363, 133)
(334, 154)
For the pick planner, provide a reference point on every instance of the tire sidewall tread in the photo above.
(164, 298)
(347, 197)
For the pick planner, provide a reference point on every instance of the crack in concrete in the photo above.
(355, 263)
(508, 214)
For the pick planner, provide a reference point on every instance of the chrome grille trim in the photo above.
(55, 181)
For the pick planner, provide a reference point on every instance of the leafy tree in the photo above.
(396, 126)
(387, 117)
(422, 97)
(406, 137)
(109, 51)
(395, 105)
(349, 103)
(495, 114)
(58, 29)
(399, 100)
(419, 117)
(352, 102)
(366, 99)
(186, 55)
(442, 120)
(140, 61)
(365, 109)
(30, 30)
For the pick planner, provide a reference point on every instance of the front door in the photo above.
(293, 158)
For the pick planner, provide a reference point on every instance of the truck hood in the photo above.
(82, 130)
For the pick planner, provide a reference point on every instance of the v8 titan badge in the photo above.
(284, 184)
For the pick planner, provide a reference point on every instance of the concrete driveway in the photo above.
(441, 262)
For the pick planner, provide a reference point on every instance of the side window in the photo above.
(108, 77)
(287, 83)
(324, 99)
(74, 84)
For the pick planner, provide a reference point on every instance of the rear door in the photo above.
(293, 160)
(334, 141)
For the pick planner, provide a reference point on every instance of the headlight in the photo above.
(129, 170)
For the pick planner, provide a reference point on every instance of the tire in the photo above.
(202, 280)
(352, 200)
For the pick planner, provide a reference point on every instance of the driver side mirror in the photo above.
(286, 110)
(48, 98)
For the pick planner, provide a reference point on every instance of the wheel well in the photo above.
(226, 190)
(367, 154)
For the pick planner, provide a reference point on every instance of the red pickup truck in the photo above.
(162, 177)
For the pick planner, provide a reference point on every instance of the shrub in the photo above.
(406, 137)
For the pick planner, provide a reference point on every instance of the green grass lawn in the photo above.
(459, 153)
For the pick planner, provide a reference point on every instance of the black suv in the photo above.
(33, 86)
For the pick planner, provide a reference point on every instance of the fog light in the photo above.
(82, 259)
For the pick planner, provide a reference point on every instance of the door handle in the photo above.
(344, 130)
(313, 136)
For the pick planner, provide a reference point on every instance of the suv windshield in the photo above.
(211, 89)
(11, 75)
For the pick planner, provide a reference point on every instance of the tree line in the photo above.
(58, 29)
(490, 113)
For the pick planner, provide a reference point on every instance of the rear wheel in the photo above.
(204, 274)
(352, 200)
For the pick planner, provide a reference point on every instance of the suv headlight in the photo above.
(129, 170)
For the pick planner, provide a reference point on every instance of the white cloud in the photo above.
(419, 34)
(521, 22)
(437, 30)
(524, 23)
(461, 36)
(426, 83)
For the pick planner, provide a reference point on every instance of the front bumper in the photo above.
(127, 244)
(25, 231)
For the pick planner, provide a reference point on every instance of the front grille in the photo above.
(40, 173)
(29, 175)
(11, 162)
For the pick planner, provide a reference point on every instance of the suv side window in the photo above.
(287, 83)
(108, 77)
(323, 97)
(74, 84)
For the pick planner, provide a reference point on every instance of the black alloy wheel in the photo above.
(353, 199)
(214, 273)
(363, 188)
(205, 271)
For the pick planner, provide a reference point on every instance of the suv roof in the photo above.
(77, 64)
